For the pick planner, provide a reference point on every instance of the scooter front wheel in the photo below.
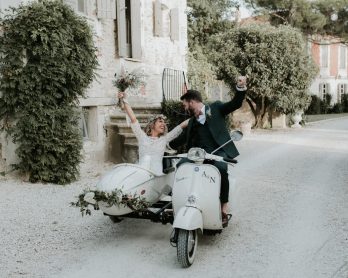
(186, 246)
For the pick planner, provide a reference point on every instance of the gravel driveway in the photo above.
(290, 219)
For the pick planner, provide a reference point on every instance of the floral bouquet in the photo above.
(125, 80)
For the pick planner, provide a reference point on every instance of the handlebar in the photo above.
(231, 160)
(208, 156)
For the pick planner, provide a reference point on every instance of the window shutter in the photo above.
(136, 29)
(345, 89)
(121, 28)
(321, 88)
(158, 18)
(106, 9)
(328, 88)
(174, 24)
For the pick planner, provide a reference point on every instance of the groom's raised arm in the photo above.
(234, 104)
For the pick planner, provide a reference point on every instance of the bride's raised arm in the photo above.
(122, 97)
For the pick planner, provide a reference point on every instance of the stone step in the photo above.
(123, 127)
(119, 118)
(129, 138)
(152, 110)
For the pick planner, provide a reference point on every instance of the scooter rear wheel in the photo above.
(186, 246)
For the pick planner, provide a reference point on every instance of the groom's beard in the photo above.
(190, 111)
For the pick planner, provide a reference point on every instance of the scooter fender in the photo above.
(188, 218)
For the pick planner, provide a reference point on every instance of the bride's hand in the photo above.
(121, 95)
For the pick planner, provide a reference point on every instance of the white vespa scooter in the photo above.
(196, 200)
(186, 196)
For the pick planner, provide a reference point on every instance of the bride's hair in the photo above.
(151, 123)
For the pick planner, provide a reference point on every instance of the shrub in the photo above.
(344, 103)
(48, 60)
(315, 106)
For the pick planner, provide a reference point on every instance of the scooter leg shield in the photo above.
(188, 218)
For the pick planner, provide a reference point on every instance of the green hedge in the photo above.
(48, 60)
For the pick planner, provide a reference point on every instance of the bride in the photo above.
(153, 139)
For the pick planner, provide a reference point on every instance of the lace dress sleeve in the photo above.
(138, 132)
(175, 132)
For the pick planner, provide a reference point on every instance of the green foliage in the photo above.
(47, 61)
(275, 60)
(115, 198)
(315, 106)
(344, 103)
(319, 106)
(175, 113)
(200, 71)
(205, 18)
(312, 17)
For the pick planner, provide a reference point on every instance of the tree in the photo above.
(275, 60)
(312, 17)
(205, 19)
(47, 59)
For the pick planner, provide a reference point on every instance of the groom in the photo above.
(207, 129)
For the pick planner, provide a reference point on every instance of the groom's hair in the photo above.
(192, 95)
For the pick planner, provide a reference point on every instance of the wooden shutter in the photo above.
(121, 28)
(106, 9)
(174, 24)
(321, 88)
(328, 88)
(136, 29)
(158, 18)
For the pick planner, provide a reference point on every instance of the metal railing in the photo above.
(174, 84)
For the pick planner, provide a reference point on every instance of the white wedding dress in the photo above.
(151, 149)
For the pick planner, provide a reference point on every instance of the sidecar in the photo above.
(135, 180)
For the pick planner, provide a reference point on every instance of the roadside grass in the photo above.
(320, 117)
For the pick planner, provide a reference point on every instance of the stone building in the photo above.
(148, 35)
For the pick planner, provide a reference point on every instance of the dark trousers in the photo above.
(222, 167)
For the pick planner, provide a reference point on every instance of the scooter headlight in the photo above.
(196, 154)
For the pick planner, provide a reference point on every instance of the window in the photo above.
(106, 9)
(324, 90)
(83, 123)
(343, 57)
(166, 21)
(79, 6)
(89, 123)
(324, 56)
(341, 90)
(129, 28)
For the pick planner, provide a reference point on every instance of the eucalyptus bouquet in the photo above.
(131, 80)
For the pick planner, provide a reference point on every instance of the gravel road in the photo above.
(290, 219)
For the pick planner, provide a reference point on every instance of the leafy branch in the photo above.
(115, 198)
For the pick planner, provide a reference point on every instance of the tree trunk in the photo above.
(259, 108)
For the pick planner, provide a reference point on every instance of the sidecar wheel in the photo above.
(186, 247)
(115, 219)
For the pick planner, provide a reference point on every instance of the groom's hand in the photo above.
(241, 81)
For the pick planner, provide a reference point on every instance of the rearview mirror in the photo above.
(236, 135)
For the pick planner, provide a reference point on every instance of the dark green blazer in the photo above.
(215, 113)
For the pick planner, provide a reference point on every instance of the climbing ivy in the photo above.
(47, 59)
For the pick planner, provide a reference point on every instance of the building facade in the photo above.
(149, 35)
(331, 56)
